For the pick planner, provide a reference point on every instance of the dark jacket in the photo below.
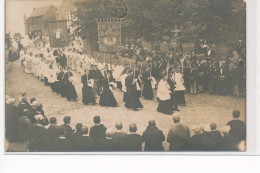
(133, 142)
(153, 138)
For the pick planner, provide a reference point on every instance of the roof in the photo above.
(68, 5)
(40, 11)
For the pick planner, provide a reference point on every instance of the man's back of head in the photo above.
(96, 119)
(132, 128)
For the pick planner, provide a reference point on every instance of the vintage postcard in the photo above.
(125, 76)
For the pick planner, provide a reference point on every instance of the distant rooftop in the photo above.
(40, 11)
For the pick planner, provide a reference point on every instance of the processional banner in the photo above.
(58, 34)
(109, 35)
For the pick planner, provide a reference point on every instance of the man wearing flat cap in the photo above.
(153, 137)
(178, 135)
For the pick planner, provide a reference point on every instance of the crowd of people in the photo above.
(27, 123)
(100, 77)
(203, 69)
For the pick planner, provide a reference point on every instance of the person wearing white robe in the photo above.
(52, 77)
(179, 88)
(163, 94)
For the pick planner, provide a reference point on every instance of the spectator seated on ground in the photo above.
(67, 126)
(237, 127)
(118, 137)
(62, 144)
(214, 133)
(133, 141)
(98, 131)
(52, 133)
(84, 142)
(153, 137)
(201, 141)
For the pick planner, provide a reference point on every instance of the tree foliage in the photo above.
(215, 20)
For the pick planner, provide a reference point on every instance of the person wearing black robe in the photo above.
(107, 97)
(37, 137)
(52, 133)
(60, 84)
(172, 85)
(87, 92)
(131, 97)
(153, 138)
(92, 74)
(147, 83)
(133, 141)
(223, 82)
(71, 93)
(84, 142)
(99, 80)
(62, 144)
(63, 60)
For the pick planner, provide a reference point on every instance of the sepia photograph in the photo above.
(123, 76)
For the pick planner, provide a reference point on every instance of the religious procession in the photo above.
(112, 71)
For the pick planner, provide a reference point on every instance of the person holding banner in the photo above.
(131, 97)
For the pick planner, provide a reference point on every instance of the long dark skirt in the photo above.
(165, 107)
(148, 90)
(70, 91)
(107, 98)
(88, 95)
(132, 99)
(53, 86)
(180, 99)
(124, 97)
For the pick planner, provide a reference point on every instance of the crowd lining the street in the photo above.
(27, 123)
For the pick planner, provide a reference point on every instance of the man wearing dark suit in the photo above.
(62, 144)
(67, 126)
(153, 138)
(237, 127)
(133, 141)
(201, 141)
(84, 142)
(37, 137)
(118, 137)
(76, 134)
(215, 134)
(98, 131)
(52, 134)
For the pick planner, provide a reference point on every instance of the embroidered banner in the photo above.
(58, 34)
(109, 35)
